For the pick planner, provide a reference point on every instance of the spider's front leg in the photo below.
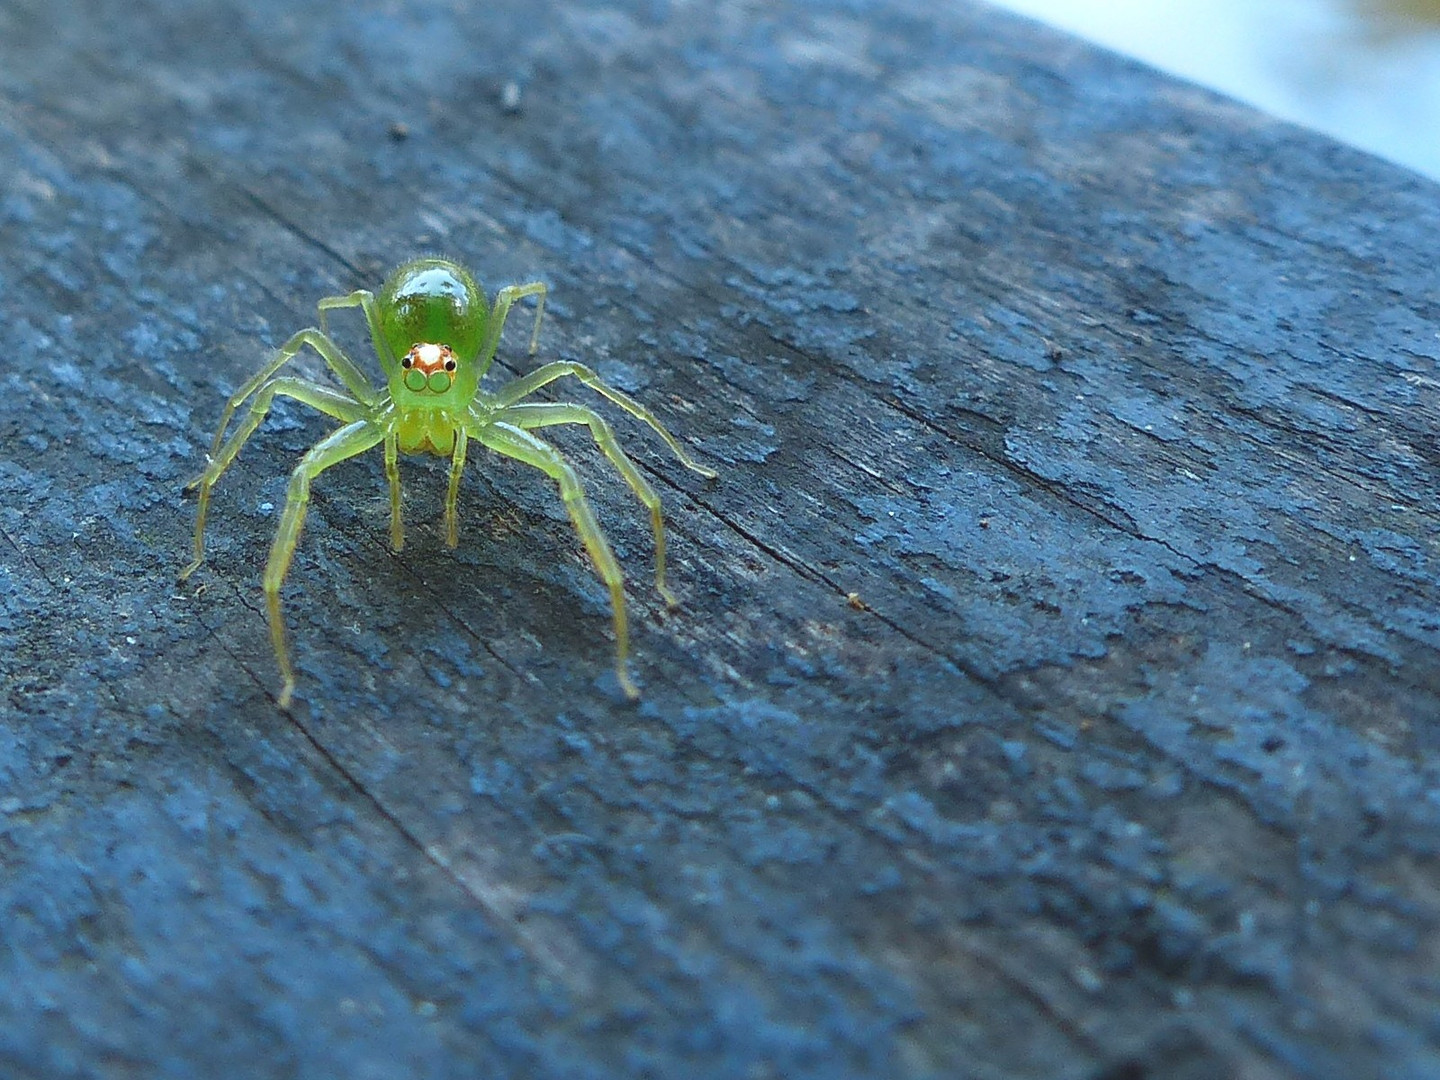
(330, 402)
(539, 415)
(515, 443)
(452, 494)
(352, 439)
(526, 385)
(334, 357)
(392, 477)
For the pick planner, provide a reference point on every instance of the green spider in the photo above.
(435, 336)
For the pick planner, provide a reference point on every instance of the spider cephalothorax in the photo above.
(434, 335)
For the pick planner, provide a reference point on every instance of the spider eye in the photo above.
(449, 365)
(405, 363)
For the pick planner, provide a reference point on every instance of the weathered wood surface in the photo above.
(1112, 402)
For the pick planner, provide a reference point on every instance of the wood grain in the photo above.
(1055, 691)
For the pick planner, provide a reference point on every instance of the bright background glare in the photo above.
(1364, 71)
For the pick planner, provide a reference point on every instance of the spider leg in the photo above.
(364, 299)
(526, 385)
(330, 402)
(353, 378)
(392, 475)
(354, 438)
(538, 415)
(516, 443)
(503, 301)
(452, 496)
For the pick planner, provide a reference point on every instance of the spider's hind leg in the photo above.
(364, 299)
(504, 299)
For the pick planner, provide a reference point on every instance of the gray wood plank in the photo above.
(1055, 691)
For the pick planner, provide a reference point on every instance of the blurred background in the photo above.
(1364, 71)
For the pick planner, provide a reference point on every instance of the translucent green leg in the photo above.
(364, 299)
(452, 497)
(538, 415)
(353, 378)
(392, 474)
(523, 387)
(350, 440)
(522, 446)
(330, 402)
(503, 301)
